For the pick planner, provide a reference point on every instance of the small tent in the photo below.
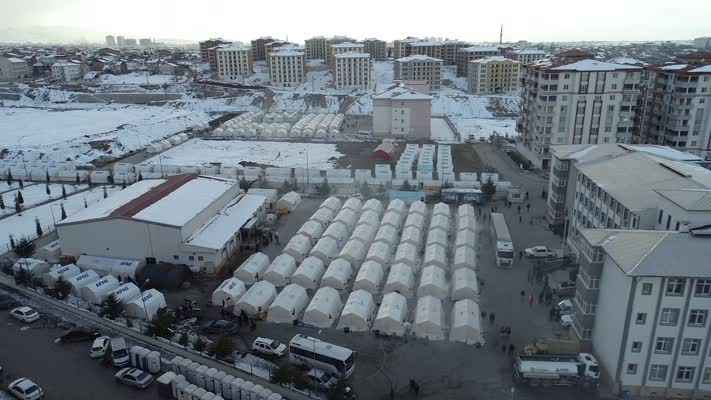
(412, 235)
(441, 222)
(387, 234)
(97, 291)
(288, 202)
(228, 293)
(337, 231)
(298, 247)
(464, 257)
(369, 217)
(466, 224)
(58, 272)
(323, 216)
(311, 229)
(429, 318)
(433, 282)
(464, 284)
(252, 269)
(332, 203)
(309, 273)
(347, 217)
(288, 305)
(465, 211)
(120, 268)
(370, 277)
(280, 270)
(126, 292)
(418, 207)
(324, 308)
(397, 206)
(257, 299)
(441, 209)
(438, 237)
(380, 252)
(338, 274)
(373, 205)
(326, 249)
(416, 220)
(401, 280)
(393, 219)
(31, 265)
(466, 323)
(465, 238)
(353, 204)
(390, 319)
(77, 282)
(146, 306)
(354, 252)
(357, 314)
(435, 255)
(407, 254)
(365, 233)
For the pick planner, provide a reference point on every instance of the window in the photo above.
(690, 347)
(697, 317)
(702, 288)
(661, 215)
(658, 372)
(641, 318)
(631, 369)
(636, 347)
(191, 258)
(707, 376)
(646, 288)
(200, 258)
(669, 316)
(176, 257)
(664, 345)
(675, 287)
(684, 374)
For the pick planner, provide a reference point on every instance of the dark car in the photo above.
(78, 335)
(218, 327)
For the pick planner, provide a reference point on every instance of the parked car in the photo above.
(219, 327)
(119, 352)
(321, 379)
(565, 307)
(566, 320)
(25, 389)
(539, 252)
(7, 302)
(100, 347)
(134, 377)
(25, 314)
(269, 347)
(78, 335)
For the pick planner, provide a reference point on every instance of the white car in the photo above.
(539, 252)
(566, 320)
(269, 347)
(100, 347)
(25, 314)
(25, 389)
(565, 306)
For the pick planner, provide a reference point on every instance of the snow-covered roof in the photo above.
(234, 47)
(491, 59)
(674, 67)
(352, 54)
(594, 65)
(16, 60)
(706, 69)
(401, 92)
(419, 57)
(626, 60)
(227, 222)
(479, 49)
(529, 51)
(347, 45)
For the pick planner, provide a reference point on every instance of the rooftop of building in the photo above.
(595, 65)
(220, 229)
(234, 47)
(627, 61)
(352, 54)
(493, 59)
(401, 92)
(684, 68)
(689, 199)
(529, 51)
(347, 45)
(480, 49)
(418, 57)
(589, 152)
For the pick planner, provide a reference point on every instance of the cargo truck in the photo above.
(546, 370)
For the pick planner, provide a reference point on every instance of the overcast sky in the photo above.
(478, 21)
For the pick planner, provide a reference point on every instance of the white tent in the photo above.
(464, 284)
(358, 312)
(464, 257)
(373, 205)
(324, 308)
(323, 216)
(298, 247)
(397, 206)
(369, 217)
(326, 249)
(146, 306)
(126, 292)
(415, 220)
(393, 219)
(354, 252)
(401, 279)
(120, 268)
(228, 293)
(252, 268)
(288, 305)
(77, 282)
(465, 238)
(387, 234)
(466, 223)
(435, 255)
(438, 237)
(353, 204)
(465, 210)
(407, 254)
(390, 319)
(441, 209)
(412, 235)
(439, 221)
(338, 274)
(433, 282)
(369, 277)
(337, 231)
(97, 291)
(280, 270)
(311, 229)
(346, 217)
(418, 207)
(257, 299)
(32, 265)
(429, 319)
(380, 252)
(288, 202)
(309, 273)
(466, 323)
(365, 233)
(63, 272)
(332, 203)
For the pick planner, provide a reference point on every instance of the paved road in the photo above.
(64, 372)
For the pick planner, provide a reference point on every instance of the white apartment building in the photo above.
(13, 69)
(376, 48)
(526, 56)
(402, 112)
(316, 48)
(420, 68)
(353, 71)
(650, 318)
(492, 75)
(345, 47)
(466, 54)
(234, 62)
(286, 68)
(66, 72)
(583, 102)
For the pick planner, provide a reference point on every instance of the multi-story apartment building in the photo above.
(353, 71)
(376, 48)
(14, 69)
(131, 42)
(279, 45)
(257, 45)
(110, 41)
(419, 68)
(583, 102)
(429, 48)
(344, 47)
(234, 62)
(121, 41)
(450, 49)
(66, 72)
(492, 75)
(316, 48)
(642, 303)
(204, 47)
(702, 43)
(401, 47)
(402, 112)
(145, 42)
(526, 56)
(286, 67)
(466, 54)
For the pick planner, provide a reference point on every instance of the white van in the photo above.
(119, 352)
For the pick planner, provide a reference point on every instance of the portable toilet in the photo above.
(133, 356)
(200, 375)
(246, 390)
(217, 382)
(210, 379)
(153, 362)
(199, 393)
(187, 392)
(193, 372)
(226, 385)
(164, 383)
(178, 384)
(236, 388)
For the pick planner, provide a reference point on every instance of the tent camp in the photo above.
(337, 231)
(441, 209)
(252, 269)
(257, 299)
(280, 270)
(354, 252)
(466, 223)
(365, 233)
(369, 217)
(466, 323)
(370, 277)
(435, 255)
(401, 280)
(146, 306)
(464, 284)
(373, 205)
(433, 282)
(77, 282)
(407, 254)
(397, 206)
(357, 314)
(63, 272)
(288, 202)
(412, 235)
(332, 203)
(416, 220)
(323, 216)
(353, 204)
(387, 234)
(429, 318)
(393, 219)
(465, 210)
(32, 265)
(311, 229)
(439, 222)
(464, 257)
(126, 292)
(324, 308)
(437, 236)
(380, 252)
(465, 238)
(228, 293)
(120, 268)
(346, 217)
(298, 247)
(309, 273)
(326, 249)
(288, 305)
(97, 291)
(418, 207)
(390, 319)
(338, 274)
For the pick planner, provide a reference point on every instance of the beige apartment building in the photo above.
(493, 75)
(466, 54)
(258, 50)
(353, 71)
(316, 48)
(286, 67)
(13, 69)
(402, 112)
(450, 49)
(340, 48)
(420, 68)
(234, 62)
(526, 56)
(430, 48)
(376, 48)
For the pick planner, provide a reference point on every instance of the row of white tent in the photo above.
(167, 143)
(282, 125)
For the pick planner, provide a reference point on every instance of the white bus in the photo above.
(504, 244)
(315, 353)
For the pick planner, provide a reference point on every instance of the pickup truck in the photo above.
(539, 252)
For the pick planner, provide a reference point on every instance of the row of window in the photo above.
(670, 317)
(677, 287)
(684, 374)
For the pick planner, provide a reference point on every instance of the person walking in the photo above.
(528, 207)
(511, 349)
(523, 295)
(520, 219)
(530, 299)
(492, 317)
(276, 237)
(503, 348)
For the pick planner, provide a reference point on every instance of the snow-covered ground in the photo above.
(455, 103)
(197, 152)
(384, 75)
(34, 194)
(440, 132)
(449, 73)
(483, 128)
(137, 79)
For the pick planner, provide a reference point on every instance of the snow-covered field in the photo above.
(483, 128)
(137, 79)
(197, 152)
(457, 104)
(384, 75)
(440, 132)
(34, 194)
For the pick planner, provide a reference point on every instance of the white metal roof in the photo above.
(227, 223)
(594, 65)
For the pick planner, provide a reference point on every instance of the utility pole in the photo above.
(501, 34)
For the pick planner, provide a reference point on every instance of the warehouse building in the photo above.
(185, 219)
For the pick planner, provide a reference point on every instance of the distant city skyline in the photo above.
(555, 20)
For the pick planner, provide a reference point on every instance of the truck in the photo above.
(546, 370)
(504, 244)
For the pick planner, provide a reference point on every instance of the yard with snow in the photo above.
(33, 194)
